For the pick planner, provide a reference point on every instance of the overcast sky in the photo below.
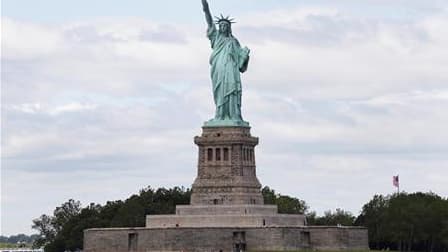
(103, 98)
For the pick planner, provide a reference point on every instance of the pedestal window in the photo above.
(226, 154)
(209, 154)
(218, 154)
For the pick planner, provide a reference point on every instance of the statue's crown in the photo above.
(223, 19)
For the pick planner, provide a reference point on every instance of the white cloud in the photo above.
(435, 25)
(66, 108)
(28, 41)
(282, 17)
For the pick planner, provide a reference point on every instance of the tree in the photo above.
(65, 212)
(311, 218)
(338, 217)
(269, 195)
(373, 216)
(285, 204)
(44, 225)
(130, 214)
(49, 227)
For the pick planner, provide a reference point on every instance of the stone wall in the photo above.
(246, 220)
(225, 209)
(339, 238)
(223, 239)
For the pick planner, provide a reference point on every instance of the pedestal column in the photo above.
(226, 168)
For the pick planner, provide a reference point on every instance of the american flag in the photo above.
(395, 181)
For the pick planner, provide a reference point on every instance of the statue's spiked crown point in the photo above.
(224, 19)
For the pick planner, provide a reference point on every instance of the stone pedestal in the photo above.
(226, 168)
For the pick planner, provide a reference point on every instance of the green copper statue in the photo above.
(228, 59)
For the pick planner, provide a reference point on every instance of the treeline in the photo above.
(20, 238)
(406, 222)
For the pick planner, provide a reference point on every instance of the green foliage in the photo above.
(407, 222)
(286, 204)
(373, 216)
(338, 217)
(47, 232)
(8, 245)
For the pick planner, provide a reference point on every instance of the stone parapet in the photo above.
(226, 134)
(244, 220)
(338, 238)
(225, 209)
(205, 239)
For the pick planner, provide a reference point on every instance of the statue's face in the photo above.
(224, 27)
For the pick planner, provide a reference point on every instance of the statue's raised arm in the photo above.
(208, 15)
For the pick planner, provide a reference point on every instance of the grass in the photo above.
(4, 245)
(7, 245)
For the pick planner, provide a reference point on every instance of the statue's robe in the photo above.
(227, 61)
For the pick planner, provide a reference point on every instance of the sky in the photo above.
(103, 98)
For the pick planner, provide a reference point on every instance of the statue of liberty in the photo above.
(228, 59)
